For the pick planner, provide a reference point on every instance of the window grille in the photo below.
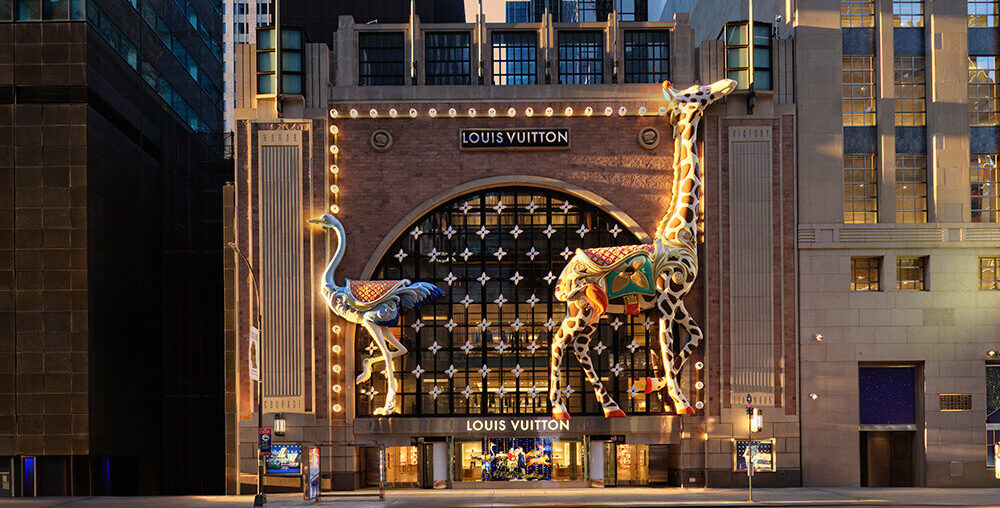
(859, 91)
(581, 58)
(647, 56)
(911, 188)
(984, 184)
(983, 101)
(448, 58)
(514, 58)
(860, 189)
(909, 81)
(865, 273)
(381, 59)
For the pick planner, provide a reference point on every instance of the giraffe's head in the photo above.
(700, 96)
(578, 279)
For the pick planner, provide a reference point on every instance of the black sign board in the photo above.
(514, 139)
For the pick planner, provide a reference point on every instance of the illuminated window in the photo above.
(865, 274)
(911, 188)
(581, 58)
(448, 58)
(472, 326)
(911, 273)
(910, 90)
(860, 189)
(907, 13)
(381, 59)
(988, 278)
(647, 56)
(983, 102)
(514, 58)
(983, 13)
(857, 13)
(518, 459)
(984, 182)
(738, 56)
(859, 91)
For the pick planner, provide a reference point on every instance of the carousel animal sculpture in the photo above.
(374, 304)
(641, 277)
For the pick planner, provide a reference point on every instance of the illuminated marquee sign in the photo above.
(541, 424)
(514, 139)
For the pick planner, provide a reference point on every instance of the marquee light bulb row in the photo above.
(335, 339)
(337, 369)
(492, 112)
(699, 385)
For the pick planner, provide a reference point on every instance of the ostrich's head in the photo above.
(326, 221)
(700, 96)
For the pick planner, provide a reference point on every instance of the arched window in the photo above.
(483, 348)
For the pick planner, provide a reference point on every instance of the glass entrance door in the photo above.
(632, 464)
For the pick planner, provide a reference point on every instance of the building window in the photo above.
(865, 274)
(988, 278)
(983, 90)
(738, 57)
(448, 58)
(911, 273)
(581, 58)
(578, 11)
(984, 13)
(859, 91)
(291, 61)
(381, 59)
(907, 13)
(518, 11)
(497, 307)
(910, 90)
(857, 13)
(514, 58)
(984, 182)
(266, 63)
(860, 189)
(911, 188)
(627, 11)
(647, 56)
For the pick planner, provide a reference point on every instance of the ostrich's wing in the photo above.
(418, 294)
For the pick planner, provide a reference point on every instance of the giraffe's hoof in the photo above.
(617, 413)
(560, 416)
(647, 384)
(686, 411)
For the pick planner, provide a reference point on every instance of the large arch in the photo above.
(496, 247)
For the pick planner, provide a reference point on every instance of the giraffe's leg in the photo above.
(681, 405)
(695, 334)
(571, 324)
(581, 348)
(378, 333)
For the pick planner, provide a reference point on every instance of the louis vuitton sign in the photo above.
(514, 139)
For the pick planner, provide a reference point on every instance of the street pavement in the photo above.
(553, 498)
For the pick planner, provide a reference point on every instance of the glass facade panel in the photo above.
(738, 59)
(448, 58)
(647, 56)
(514, 58)
(911, 273)
(860, 189)
(483, 348)
(380, 59)
(858, 91)
(888, 395)
(581, 58)
(857, 13)
(910, 84)
(28, 10)
(983, 13)
(865, 274)
(518, 459)
(984, 185)
(911, 188)
(983, 100)
(908, 13)
(632, 464)
(988, 277)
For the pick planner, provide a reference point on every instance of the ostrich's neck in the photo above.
(685, 199)
(331, 267)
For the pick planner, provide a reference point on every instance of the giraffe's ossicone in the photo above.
(630, 279)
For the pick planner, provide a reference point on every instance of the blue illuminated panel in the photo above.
(887, 395)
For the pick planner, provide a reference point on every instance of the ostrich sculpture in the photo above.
(658, 274)
(374, 304)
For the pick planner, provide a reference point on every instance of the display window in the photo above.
(632, 464)
(518, 459)
(401, 466)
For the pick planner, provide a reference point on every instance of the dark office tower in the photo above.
(318, 18)
(111, 168)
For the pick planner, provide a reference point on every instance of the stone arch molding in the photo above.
(427, 206)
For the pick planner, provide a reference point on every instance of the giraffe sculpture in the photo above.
(658, 274)
(374, 304)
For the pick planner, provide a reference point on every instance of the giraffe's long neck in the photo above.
(686, 196)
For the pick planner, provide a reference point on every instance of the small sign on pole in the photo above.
(254, 355)
(264, 441)
(311, 474)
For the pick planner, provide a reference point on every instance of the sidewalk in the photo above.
(555, 498)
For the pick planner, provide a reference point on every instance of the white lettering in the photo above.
(564, 138)
(550, 137)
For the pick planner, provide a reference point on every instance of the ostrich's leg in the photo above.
(377, 333)
(367, 363)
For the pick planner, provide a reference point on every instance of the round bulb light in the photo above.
(337, 368)
(337, 349)
(334, 130)
(334, 113)
(334, 168)
(337, 388)
(337, 408)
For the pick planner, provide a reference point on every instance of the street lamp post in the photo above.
(755, 422)
(260, 499)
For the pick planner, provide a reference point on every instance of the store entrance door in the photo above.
(887, 459)
(632, 464)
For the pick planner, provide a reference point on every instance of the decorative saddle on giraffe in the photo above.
(629, 271)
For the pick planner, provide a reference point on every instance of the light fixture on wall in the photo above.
(818, 337)
(991, 353)
(813, 396)
(279, 424)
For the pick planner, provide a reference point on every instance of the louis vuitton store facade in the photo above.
(486, 192)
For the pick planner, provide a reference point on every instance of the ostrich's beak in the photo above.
(319, 221)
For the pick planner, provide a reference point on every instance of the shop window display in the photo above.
(519, 459)
(633, 464)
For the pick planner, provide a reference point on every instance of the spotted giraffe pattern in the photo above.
(674, 259)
